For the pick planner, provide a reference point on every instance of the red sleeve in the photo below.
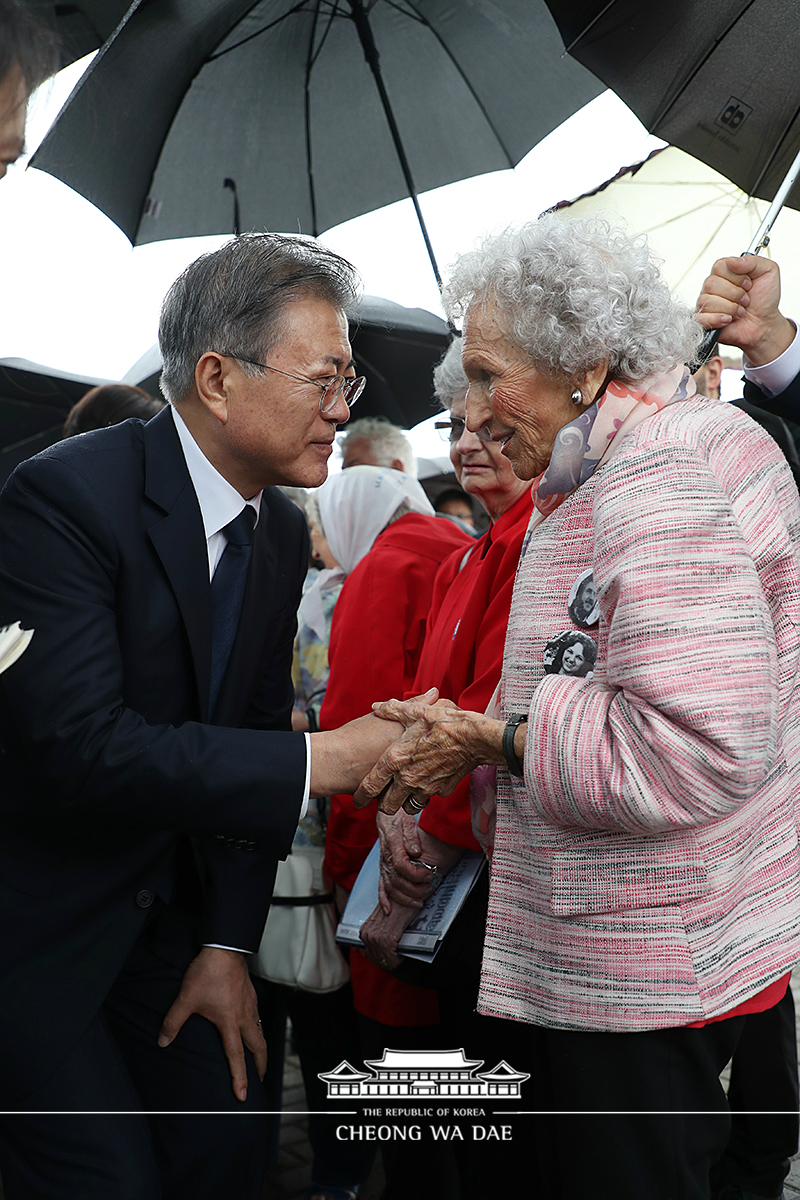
(377, 634)
(471, 633)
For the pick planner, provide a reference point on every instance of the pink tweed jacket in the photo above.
(646, 870)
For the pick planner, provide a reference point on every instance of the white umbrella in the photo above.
(692, 215)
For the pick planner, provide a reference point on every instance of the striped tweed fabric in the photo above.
(646, 870)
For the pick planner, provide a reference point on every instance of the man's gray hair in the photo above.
(27, 43)
(449, 381)
(388, 443)
(571, 293)
(233, 301)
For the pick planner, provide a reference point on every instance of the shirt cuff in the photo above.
(774, 377)
(307, 790)
(236, 949)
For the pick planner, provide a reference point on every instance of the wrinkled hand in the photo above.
(218, 987)
(401, 881)
(381, 932)
(740, 298)
(441, 744)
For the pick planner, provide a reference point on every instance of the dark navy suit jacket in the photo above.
(114, 788)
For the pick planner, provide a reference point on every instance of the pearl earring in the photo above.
(577, 396)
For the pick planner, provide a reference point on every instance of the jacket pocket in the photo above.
(638, 874)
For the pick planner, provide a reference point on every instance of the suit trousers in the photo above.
(169, 1127)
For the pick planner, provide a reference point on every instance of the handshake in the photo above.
(405, 752)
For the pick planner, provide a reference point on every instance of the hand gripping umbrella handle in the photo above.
(760, 240)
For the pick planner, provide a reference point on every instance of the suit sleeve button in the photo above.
(144, 898)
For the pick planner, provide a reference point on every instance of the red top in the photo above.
(768, 997)
(463, 653)
(377, 635)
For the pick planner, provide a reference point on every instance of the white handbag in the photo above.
(298, 947)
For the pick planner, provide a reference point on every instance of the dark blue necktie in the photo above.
(227, 594)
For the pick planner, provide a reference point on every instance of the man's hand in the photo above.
(740, 298)
(340, 758)
(217, 986)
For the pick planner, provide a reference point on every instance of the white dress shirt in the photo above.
(775, 376)
(219, 504)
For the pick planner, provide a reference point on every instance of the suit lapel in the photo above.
(178, 536)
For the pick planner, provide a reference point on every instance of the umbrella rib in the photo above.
(701, 252)
(309, 151)
(568, 49)
(774, 153)
(365, 36)
(335, 11)
(424, 21)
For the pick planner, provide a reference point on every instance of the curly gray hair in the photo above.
(574, 293)
(449, 381)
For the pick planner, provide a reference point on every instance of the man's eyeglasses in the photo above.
(452, 430)
(332, 389)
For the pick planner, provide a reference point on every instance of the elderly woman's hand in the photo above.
(381, 932)
(402, 880)
(441, 744)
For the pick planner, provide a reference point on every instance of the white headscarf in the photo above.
(354, 507)
(357, 504)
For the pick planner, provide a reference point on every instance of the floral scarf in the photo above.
(579, 449)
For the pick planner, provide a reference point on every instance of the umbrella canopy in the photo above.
(82, 25)
(718, 79)
(34, 402)
(692, 216)
(213, 116)
(395, 347)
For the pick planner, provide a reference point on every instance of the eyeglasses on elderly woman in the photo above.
(452, 430)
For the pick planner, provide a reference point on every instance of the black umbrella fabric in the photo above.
(213, 116)
(34, 403)
(718, 79)
(397, 349)
(81, 26)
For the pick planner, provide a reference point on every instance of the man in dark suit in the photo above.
(149, 778)
(741, 298)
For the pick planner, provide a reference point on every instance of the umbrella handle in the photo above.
(759, 242)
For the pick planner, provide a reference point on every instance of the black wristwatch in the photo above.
(512, 762)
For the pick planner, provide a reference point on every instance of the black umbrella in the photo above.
(82, 25)
(34, 402)
(719, 79)
(395, 347)
(211, 116)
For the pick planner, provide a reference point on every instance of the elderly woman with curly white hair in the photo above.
(645, 890)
